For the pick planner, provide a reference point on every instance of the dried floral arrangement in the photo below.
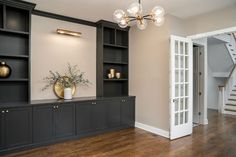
(72, 77)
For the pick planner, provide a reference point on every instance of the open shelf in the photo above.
(115, 55)
(115, 46)
(13, 91)
(13, 80)
(17, 19)
(109, 35)
(121, 79)
(19, 68)
(117, 88)
(118, 68)
(14, 44)
(118, 63)
(14, 31)
(13, 56)
(122, 38)
(112, 53)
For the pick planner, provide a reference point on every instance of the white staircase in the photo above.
(230, 106)
(230, 44)
(228, 91)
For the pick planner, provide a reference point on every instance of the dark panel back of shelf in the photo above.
(13, 92)
(109, 35)
(1, 16)
(14, 44)
(117, 88)
(17, 19)
(115, 55)
(19, 67)
(121, 38)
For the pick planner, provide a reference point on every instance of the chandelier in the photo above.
(135, 13)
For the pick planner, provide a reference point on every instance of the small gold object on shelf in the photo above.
(112, 72)
(5, 70)
(109, 76)
(118, 75)
(59, 89)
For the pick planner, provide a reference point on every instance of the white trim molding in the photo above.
(213, 33)
(153, 130)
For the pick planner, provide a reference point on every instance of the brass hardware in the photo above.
(174, 100)
(68, 32)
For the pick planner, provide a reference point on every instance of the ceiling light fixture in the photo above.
(135, 13)
(67, 32)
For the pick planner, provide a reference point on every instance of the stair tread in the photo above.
(230, 110)
(230, 99)
(229, 104)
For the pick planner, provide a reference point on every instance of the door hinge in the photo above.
(200, 53)
(199, 113)
(200, 73)
(200, 93)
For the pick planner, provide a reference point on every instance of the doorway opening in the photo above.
(198, 82)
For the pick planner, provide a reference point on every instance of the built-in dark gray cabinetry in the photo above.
(15, 36)
(16, 127)
(128, 111)
(48, 121)
(53, 121)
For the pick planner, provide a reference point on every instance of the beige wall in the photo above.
(51, 51)
(149, 64)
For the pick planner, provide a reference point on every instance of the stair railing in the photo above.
(224, 91)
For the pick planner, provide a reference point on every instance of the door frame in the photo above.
(198, 40)
(201, 40)
(202, 44)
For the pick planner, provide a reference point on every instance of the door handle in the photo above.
(174, 100)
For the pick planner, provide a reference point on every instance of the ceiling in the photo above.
(95, 10)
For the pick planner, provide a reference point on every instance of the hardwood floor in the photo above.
(218, 139)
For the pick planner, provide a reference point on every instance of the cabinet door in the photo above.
(128, 111)
(2, 137)
(99, 115)
(64, 120)
(114, 114)
(84, 117)
(18, 126)
(43, 126)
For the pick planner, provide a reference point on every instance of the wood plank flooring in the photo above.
(218, 139)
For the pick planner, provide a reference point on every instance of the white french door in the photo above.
(181, 76)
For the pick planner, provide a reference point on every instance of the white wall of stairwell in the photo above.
(219, 66)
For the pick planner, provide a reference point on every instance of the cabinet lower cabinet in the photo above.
(128, 112)
(16, 127)
(53, 121)
(47, 123)
(101, 115)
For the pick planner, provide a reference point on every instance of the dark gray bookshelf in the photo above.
(112, 53)
(15, 24)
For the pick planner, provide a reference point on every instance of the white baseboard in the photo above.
(152, 129)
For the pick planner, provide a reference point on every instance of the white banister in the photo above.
(221, 101)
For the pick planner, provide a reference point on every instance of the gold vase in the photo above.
(5, 70)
